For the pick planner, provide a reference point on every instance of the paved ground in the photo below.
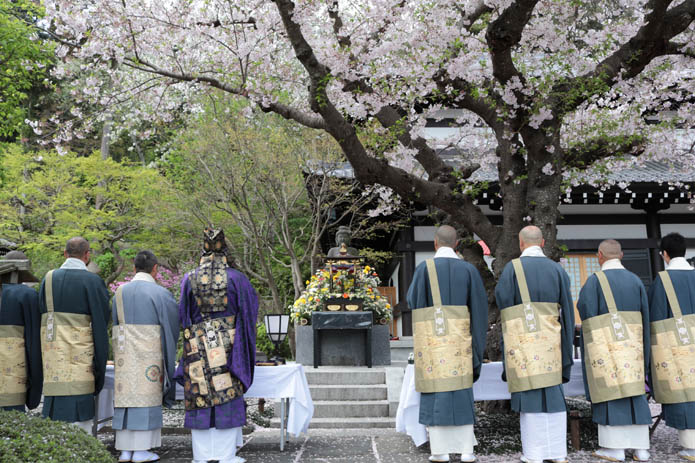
(365, 445)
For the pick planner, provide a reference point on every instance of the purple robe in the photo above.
(242, 302)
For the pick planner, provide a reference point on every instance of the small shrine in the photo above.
(341, 317)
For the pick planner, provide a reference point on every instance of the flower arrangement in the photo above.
(354, 283)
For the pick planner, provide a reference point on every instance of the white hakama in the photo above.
(544, 435)
(686, 437)
(127, 439)
(216, 444)
(452, 439)
(634, 436)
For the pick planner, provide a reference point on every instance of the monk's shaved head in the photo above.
(531, 235)
(611, 249)
(446, 236)
(76, 247)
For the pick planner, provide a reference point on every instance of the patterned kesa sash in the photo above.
(137, 351)
(532, 340)
(67, 346)
(673, 352)
(13, 367)
(613, 350)
(207, 380)
(442, 343)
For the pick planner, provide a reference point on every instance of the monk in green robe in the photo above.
(21, 376)
(623, 422)
(449, 413)
(542, 410)
(74, 304)
(678, 415)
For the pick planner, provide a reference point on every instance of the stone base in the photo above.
(343, 347)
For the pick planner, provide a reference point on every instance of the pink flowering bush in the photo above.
(165, 277)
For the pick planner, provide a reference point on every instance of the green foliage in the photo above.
(48, 198)
(106, 262)
(33, 439)
(265, 345)
(24, 60)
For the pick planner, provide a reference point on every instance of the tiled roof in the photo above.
(648, 172)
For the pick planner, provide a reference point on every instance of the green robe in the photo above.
(19, 305)
(459, 284)
(80, 292)
(682, 415)
(630, 295)
(547, 282)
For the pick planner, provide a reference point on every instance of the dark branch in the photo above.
(584, 155)
(370, 170)
(651, 41)
(308, 120)
(503, 34)
(474, 13)
(334, 14)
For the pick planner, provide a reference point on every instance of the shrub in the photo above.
(33, 439)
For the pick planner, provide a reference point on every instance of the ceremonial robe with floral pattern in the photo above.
(242, 302)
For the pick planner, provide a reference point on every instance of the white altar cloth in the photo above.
(488, 387)
(278, 382)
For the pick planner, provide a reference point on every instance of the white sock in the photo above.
(618, 454)
(689, 452)
(440, 457)
(641, 454)
(126, 455)
(140, 455)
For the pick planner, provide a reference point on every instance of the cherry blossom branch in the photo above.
(650, 41)
(475, 11)
(503, 34)
(368, 169)
(438, 171)
(314, 122)
(334, 13)
(584, 155)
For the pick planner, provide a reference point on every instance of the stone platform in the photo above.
(343, 347)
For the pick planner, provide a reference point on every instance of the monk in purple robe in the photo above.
(218, 310)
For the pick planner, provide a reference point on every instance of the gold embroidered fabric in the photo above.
(673, 352)
(67, 347)
(13, 367)
(207, 380)
(209, 283)
(532, 340)
(614, 351)
(442, 343)
(139, 363)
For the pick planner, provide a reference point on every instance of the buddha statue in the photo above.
(342, 241)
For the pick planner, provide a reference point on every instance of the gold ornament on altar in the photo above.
(344, 283)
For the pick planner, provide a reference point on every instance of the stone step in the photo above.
(344, 423)
(344, 376)
(400, 364)
(351, 409)
(401, 349)
(348, 392)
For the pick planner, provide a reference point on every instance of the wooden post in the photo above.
(261, 406)
(575, 435)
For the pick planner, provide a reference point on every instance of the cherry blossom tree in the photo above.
(548, 93)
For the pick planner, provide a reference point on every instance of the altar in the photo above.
(342, 318)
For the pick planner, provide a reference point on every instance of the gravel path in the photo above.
(365, 445)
